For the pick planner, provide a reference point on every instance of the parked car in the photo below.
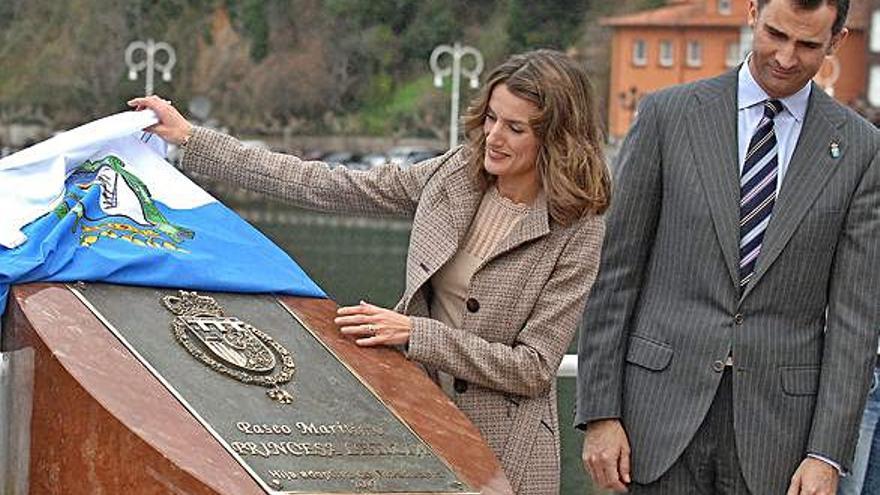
(359, 165)
(419, 156)
(374, 159)
(311, 155)
(255, 143)
(347, 158)
(340, 157)
(405, 156)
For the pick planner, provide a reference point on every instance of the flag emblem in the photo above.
(124, 209)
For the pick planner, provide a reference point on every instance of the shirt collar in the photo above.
(749, 94)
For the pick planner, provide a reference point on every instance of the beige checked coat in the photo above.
(524, 301)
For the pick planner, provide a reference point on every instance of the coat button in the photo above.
(460, 385)
(472, 305)
(738, 319)
(718, 366)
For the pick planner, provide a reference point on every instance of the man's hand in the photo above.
(606, 454)
(814, 477)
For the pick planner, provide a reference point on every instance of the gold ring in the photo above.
(372, 329)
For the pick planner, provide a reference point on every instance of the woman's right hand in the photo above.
(172, 126)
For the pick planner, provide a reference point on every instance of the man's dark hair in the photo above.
(842, 7)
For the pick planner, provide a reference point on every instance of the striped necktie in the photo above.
(757, 191)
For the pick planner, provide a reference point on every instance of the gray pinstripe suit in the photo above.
(665, 310)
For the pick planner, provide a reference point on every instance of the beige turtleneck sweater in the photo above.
(494, 220)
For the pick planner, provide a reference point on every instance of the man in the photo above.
(729, 339)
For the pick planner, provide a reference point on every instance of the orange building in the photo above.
(873, 91)
(687, 40)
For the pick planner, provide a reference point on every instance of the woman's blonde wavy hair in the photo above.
(570, 161)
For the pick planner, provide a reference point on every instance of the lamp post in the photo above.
(149, 61)
(629, 99)
(457, 51)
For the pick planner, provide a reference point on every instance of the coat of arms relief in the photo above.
(230, 346)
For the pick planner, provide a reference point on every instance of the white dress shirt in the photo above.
(787, 124)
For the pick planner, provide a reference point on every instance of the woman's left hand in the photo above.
(374, 325)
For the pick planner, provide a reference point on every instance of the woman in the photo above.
(504, 247)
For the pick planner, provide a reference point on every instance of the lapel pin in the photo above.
(834, 149)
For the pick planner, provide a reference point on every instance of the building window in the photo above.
(694, 54)
(733, 57)
(875, 31)
(640, 53)
(666, 57)
(724, 7)
(874, 86)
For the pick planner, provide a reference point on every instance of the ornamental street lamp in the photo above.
(629, 99)
(149, 61)
(456, 70)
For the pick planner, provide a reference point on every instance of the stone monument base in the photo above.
(109, 418)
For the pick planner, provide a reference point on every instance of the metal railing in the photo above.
(569, 367)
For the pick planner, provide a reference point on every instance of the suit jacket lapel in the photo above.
(713, 138)
(464, 198)
(810, 168)
(447, 221)
(535, 224)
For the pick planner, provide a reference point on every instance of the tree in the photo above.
(544, 23)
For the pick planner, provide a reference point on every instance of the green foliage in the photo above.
(355, 65)
(256, 25)
(434, 23)
(380, 114)
(8, 10)
(395, 14)
(544, 24)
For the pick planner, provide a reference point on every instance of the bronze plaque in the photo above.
(279, 402)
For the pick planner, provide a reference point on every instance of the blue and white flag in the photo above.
(98, 204)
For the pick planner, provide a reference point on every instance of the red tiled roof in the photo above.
(693, 14)
(675, 15)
